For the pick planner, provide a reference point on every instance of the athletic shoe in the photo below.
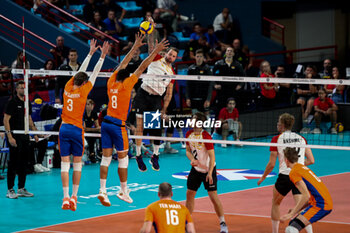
(154, 162)
(125, 196)
(11, 194)
(223, 228)
(224, 145)
(333, 131)
(170, 150)
(103, 197)
(45, 169)
(73, 203)
(183, 145)
(141, 164)
(162, 146)
(316, 131)
(305, 130)
(38, 169)
(239, 145)
(65, 204)
(24, 193)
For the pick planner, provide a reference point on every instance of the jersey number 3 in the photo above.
(70, 105)
(172, 217)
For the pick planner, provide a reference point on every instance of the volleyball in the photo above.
(146, 27)
(339, 127)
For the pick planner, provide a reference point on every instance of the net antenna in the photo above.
(26, 82)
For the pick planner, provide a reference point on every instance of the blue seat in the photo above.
(132, 22)
(129, 6)
(68, 27)
(81, 26)
(76, 10)
(143, 55)
(180, 37)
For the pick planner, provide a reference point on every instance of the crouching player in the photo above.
(314, 195)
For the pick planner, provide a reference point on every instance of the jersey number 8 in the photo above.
(172, 217)
(114, 102)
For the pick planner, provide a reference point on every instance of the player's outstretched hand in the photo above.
(164, 44)
(139, 37)
(104, 49)
(93, 46)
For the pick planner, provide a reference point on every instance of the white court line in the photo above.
(34, 229)
(51, 231)
(264, 216)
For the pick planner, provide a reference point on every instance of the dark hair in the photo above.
(199, 51)
(314, 68)
(123, 74)
(20, 82)
(53, 64)
(287, 120)
(230, 99)
(165, 189)
(291, 154)
(200, 116)
(173, 48)
(73, 51)
(80, 78)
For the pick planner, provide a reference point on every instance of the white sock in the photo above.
(275, 226)
(222, 219)
(65, 191)
(103, 185)
(75, 190)
(138, 150)
(308, 228)
(156, 149)
(123, 186)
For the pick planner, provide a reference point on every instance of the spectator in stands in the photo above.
(268, 90)
(60, 53)
(197, 32)
(327, 69)
(18, 64)
(213, 42)
(108, 5)
(335, 91)
(41, 147)
(306, 94)
(325, 110)
(5, 75)
(91, 125)
(48, 12)
(227, 67)
(168, 10)
(199, 93)
(223, 26)
(229, 121)
(285, 91)
(113, 26)
(43, 84)
(193, 46)
(240, 56)
(72, 65)
(89, 10)
(161, 26)
(97, 23)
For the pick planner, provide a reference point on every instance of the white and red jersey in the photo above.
(200, 150)
(158, 85)
(288, 137)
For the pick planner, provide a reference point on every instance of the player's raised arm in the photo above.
(145, 63)
(86, 61)
(98, 66)
(151, 40)
(138, 43)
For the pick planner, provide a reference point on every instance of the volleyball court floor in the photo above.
(246, 206)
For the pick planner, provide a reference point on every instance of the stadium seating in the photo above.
(180, 37)
(132, 22)
(129, 6)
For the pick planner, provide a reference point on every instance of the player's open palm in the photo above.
(139, 37)
(104, 49)
(93, 46)
(164, 44)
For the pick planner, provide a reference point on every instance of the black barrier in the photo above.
(344, 115)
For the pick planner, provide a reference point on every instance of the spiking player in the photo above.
(71, 134)
(113, 131)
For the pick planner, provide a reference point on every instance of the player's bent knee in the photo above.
(290, 229)
(106, 161)
(296, 224)
(65, 166)
(77, 166)
(123, 162)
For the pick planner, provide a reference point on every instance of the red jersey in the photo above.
(74, 102)
(119, 94)
(270, 94)
(225, 114)
(323, 105)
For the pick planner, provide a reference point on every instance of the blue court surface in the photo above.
(241, 166)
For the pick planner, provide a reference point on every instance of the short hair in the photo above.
(199, 51)
(173, 48)
(287, 120)
(90, 101)
(165, 189)
(73, 51)
(123, 74)
(20, 82)
(230, 99)
(80, 78)
(314, 68)
(291, 154)
(200, 116)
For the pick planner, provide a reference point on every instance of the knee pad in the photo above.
(77, 166)
(290, 229)
(106, 161)
(65, 166)
(123, 162)
(297, 224)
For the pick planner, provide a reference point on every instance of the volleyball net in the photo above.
(255, 125)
